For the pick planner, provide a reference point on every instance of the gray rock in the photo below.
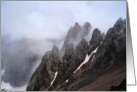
(95, 41)
(45, 73)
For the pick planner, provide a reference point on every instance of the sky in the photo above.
(40, 18)
(47, 21)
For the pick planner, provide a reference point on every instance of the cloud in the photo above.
(8, 87)
(41, 18)
(20, 58)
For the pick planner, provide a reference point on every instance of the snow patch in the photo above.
(86, 59)
(54, 78)
(67, 80)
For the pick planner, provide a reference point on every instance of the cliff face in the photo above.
(96, 65)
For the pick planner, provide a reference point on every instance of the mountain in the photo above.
(97, 65)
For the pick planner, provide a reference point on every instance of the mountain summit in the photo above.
(97, 65)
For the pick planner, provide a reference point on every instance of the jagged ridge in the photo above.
(104, 54)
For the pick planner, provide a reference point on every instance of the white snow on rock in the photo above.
(54, 78)
(86, 59)
(67, 80)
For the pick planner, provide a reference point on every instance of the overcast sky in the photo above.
(50, 19)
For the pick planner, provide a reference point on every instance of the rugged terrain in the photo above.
(99, 64)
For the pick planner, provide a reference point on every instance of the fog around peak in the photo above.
(30, 28)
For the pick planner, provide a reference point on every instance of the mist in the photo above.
(30, 28)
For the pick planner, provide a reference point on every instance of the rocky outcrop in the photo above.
(95, 41)
(71, 60)
(45, 73)
(110, 53)
(87, 64)
(75, 34)
(81, 51)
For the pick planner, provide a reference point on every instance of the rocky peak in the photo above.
(81, 51)
(76, 29)
(96, 34)
(55, 51)
(118, 30)
(75, 34)
(104, 54)
(83, 43)
(76, 25)
(86, 29)
(95, 41)
(87, 25)
(120, 23)
(55, 48)
(69, 46)
(69, 52)
(44, 74)
(108, 60)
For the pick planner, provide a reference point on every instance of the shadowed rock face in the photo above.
(101, 62)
